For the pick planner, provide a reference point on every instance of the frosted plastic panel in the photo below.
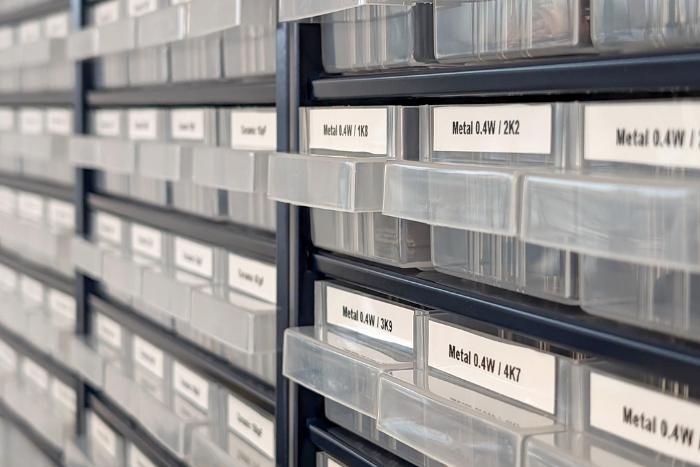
(338, 367)
(349, 184)
(467, 197)
(228, 169)
(117, 37)
(162, 26)
(647, 221)
(302, 9)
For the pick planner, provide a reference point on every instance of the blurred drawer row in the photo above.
(43, 400)
(221, 300)
(210, 162)
(436, 388)
(33, 55)
(35, 142)
(142, 42)
(189, 414)
(591, 203)
(356, 36)
(18, 450)
(37, 228)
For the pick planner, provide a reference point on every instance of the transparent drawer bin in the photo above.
(196, 266)
(628, 25)
(366, 427)
(108, 151)
(471, 31)
(460, 413)
(43, 414)
(232, 451)
(582, 450)
(641, 270)
(340, 357)
(617, 397)
(474, 211)
(249, 48)
(111, 67)
(102, 446)
(156, 162)
(356, 36)
(541, 135)
(150, 62)
(18, 450)
(243, 176)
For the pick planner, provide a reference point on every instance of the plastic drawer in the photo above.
(642, 270)
(325, 460)
(117, 164)
(473, 31)
(20, 450)
(337, 367)
(578, 450)
(474, 213)
(504, 135)
(481, 413)
(83, 44)
(197, 58)
(240, 322)
(356, 36)
(156, 161)
(87, 257)
(103, 446)
(166, 295)
(249, 48)
(122, 275)
(243, 175)
(366, 427)
(233, 452)
(633, 25)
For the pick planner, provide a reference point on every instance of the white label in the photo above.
(106, 13)
(7, 119)
(517, 128)
(606, 458)
(109, 331)
(349, 130)
(108, 123)
(32, 290)
(148, 356)
(8, 278)
(141, 7)
(487, 405)
(191, 386)
(8, 201)
(143, 124)
(31, 207)
(8, 357)
(514, 371)
(256, 130)
(656, 421)
(331, 463)
(64, 394)
(103, 435)
(138, 459)
(194, 257)
(251, 426)
(31, 121)
(36, 373)
(62, 214)
(187, 124)
(253, 277)
(146, 241)
(59, 121)
(29, 31)
(366, 315)
(63, 305)
(664, 134)
(6, 37)
(109, 228)
(57, 26)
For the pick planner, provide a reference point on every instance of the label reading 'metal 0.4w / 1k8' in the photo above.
(358, 130)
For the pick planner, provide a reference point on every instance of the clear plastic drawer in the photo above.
(359, 36)
(471, 31)
(633, 25)
(480, 396)
(232, 452)
(102, 445)
(87, 257)
(249, 49)
(346, 184)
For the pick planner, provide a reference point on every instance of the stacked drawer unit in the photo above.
(222, 301)
(339, 174)
(37, 228)
(203, 161)
(35, 142)
(34, 51)
(145, 42)
(439, 389)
